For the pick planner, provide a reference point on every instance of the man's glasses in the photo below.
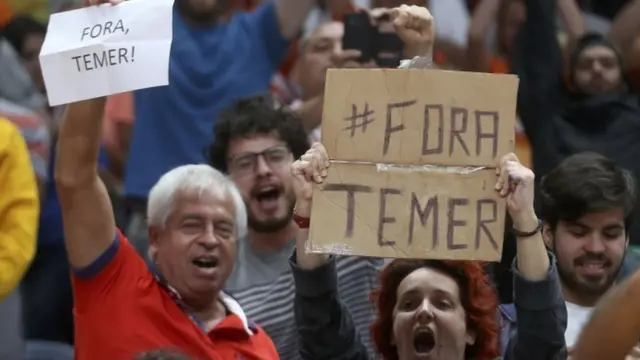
(244, 164)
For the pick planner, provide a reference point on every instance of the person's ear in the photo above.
(471, 337)
(154, 237)
(626, 240)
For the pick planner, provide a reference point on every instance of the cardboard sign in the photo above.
(105, 49)
(413, 164)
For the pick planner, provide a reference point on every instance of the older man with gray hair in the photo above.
(124, 307)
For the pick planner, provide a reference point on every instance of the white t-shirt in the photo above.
(577, 317)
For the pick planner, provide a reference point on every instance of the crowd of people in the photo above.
(171, 222)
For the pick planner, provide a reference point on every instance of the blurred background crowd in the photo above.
(472, 35)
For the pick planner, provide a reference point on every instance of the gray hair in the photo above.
(186, 178)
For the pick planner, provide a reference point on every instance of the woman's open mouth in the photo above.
(424, 341)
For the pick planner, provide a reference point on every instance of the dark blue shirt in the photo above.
(209, 69)
(50, 231)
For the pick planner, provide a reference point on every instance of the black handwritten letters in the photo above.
(423, 220)
(359, 120)
(408, 211)
(484, 127)
(351, 190)
(402, 145)
(430, 133)
(105, 58)
(389, 127)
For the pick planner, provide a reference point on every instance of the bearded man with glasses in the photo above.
(256, 142)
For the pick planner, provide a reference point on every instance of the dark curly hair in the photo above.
(586, 183)
(19, 27)
(255, 115)
(477, 295)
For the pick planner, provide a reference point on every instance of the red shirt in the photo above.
(123, 310)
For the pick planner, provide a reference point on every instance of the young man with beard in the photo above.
(587, 203)
(590, 108)
(256, 142)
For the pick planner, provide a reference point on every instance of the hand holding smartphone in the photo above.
(362, 34)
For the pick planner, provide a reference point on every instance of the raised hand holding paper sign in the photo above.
(106, 49)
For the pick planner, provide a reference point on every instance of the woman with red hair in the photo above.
(472, 326)
(432, 309)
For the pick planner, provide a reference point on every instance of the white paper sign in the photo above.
(103, 50)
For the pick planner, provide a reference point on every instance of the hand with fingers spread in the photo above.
(312, 167)
(515, 183)
(415, 27)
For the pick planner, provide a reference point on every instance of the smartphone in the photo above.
(360, 34)
(389, 50)
(389, 47)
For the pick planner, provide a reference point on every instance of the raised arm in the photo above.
(541, 317)
(87, 215)
(573, 20)
(325, 327)
(537, 60)
(291, 16)
(541, 312)
(478, 56)
(19, 208)
(625, 27)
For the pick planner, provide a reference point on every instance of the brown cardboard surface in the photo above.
(450, 121)
(419, 116)
(407, 214)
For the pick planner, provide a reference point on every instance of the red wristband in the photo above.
(301, 221)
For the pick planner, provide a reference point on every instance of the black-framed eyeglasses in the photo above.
(246, 163)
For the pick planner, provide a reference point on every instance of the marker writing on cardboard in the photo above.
(435, 142)
(485, 212)
(446, 131)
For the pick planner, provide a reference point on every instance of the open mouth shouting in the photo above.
(206, 266)
(424, 341)
(267, 198)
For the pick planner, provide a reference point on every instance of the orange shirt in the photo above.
(499, 66)
(122, 309)
(6, 12)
